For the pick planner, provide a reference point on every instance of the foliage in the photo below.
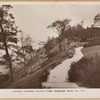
(8, 32)
(82, 35)
(51, 43)
(92, 43)
(88, 36)
(26, 51)
(8, 25)
(60, 26)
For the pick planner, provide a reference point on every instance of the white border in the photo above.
(50, 3)
(45, 93)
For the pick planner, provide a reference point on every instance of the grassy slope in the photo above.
(91, 76)
(34, 80)
(30, 81)
(91, 51)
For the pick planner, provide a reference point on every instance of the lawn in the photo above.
(86, 72)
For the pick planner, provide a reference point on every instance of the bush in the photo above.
(44, 76)
(92, 43)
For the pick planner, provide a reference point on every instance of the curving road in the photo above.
(58, 77)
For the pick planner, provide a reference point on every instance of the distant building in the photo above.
(96, 21)
(42, 43)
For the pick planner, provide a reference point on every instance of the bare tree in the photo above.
(26, 51)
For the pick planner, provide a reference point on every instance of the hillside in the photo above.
(34, 79)
(68, 43)
(86, 72)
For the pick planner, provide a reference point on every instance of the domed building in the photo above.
(97, 21)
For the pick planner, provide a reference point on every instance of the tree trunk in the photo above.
(7, 53)
(31, 63)
(24, 62)
(60, 48)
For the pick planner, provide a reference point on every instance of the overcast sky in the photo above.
(34, 19)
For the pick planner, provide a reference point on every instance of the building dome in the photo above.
(97, 21)
(97, 17)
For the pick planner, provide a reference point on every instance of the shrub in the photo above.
(92, 43)
(44, 76)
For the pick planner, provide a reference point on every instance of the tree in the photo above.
(79, 26)
(60, 27)
(26, 51)
(31, 51)
(51, 43)
(8, 32)
(48, 45)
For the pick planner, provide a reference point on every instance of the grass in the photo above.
(86, 72)
(30, 81)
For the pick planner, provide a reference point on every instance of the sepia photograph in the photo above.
(49, 45)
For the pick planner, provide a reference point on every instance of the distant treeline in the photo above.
(88, 36)
(82, 35)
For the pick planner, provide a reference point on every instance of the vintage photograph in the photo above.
(49, 46)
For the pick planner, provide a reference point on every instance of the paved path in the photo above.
(58, 77)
